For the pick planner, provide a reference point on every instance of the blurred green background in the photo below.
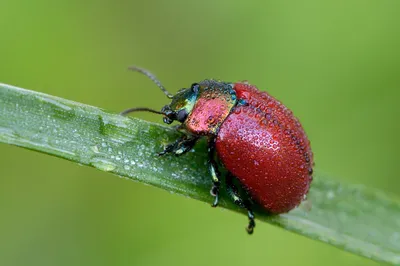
(336, 64)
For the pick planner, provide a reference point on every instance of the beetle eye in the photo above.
(195, 87)
(181, 115)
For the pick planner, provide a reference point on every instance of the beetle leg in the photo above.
(213, 167)
(180, 146)
(234, 194)
(185, 145)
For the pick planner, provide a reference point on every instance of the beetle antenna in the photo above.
(140, 109)
(153, 78)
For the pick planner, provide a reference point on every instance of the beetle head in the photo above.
(181, 105)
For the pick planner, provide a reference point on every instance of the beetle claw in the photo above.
(250, 230)
(215, 203)
(214, 192)
(252, 223)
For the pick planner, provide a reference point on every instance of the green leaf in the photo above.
(354, 218)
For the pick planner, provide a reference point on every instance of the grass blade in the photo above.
(354, 218)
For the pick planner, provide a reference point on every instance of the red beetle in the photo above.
(256, 138)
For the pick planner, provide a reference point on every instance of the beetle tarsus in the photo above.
(181, 146)
(214, 190)
(167, 149)
(215, 193)
(252, 223)
(216, 201)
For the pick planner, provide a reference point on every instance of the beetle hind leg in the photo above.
(238, 200)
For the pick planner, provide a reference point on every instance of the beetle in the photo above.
(258, 140)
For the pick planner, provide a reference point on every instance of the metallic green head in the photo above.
(181, 105)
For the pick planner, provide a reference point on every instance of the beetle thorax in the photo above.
(214, 103)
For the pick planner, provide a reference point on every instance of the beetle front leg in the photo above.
(213, 167)
(244, 203)
(180, 146)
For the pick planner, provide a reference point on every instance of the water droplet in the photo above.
(103, 164)
(127, 167)
(94, 149)
(6, 131)
(54, 102)
(330, 195)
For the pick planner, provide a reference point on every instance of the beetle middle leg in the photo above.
(213, 167)
(238, 200)
(181, 146)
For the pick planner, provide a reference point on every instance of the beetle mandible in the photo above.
(255, 137)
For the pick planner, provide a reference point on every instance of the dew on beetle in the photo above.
(262, 133)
